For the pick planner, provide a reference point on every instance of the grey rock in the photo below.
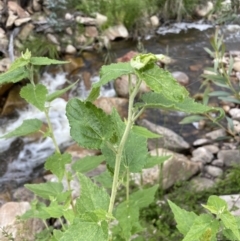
(176, 168)
(201, 183)
(181, 77)
(236, 126)
(213, 171)
(218, 163)
(229, 157)
(200, 142)
(233, 202)
(213, 135)
(235, 113)
(203, 155)
(212, 148)
(170, 139)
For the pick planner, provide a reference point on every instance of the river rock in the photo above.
(233, 203)
(236, 126)
(154, 21)
(36, 5)
(181, 78)
(70, 49)
(118, 31)
(170, 139)
(212, 148)
(100, 19)
(25, 31)
(235, 113)
(213, 171)
(236, 66)
(204, 10)
(52, 38)
(203, 155)
(91, 31)
(213, 135)
(107, 104)
(199, 184)
(20, 21)
(4, 64)
(176, 168)
(19, 230)
(200, 142)
(15, 8)
(218, 163)
(11, 18)
(85, 20)
(229, 157)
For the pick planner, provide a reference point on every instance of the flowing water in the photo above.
(22, 159)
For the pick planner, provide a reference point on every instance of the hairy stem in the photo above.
(130, 122)
(127, 185)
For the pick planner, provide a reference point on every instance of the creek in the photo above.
(21, 160)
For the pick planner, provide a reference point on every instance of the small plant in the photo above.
(94, 215)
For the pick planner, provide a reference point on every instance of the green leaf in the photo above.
(90, 126)
(113, 71)
(219, 93)
(35, 95)
(13, 76)
(127, 215)
(144, 197)
(142, 60)
(230, 99)
(88, 230)
(191, 119)
(156, 160)
(161, 81)
(54, 210)
(218, 205)
(155, 100)
(142, 131)
(57, 234)
(212, 54)
(202, 224)
(45, 61)
(183, 218)
(105, 179)
(93, 95)
(56, 164)
(87, 163)
(58, 93)
(18, 63)
(28, 127)
(92, 196)
(46, 190)
(229, 234)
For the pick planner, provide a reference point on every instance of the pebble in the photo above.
(213, 171)
(235, 113)
(203, 155)
(229, 157)
(218, 163)
(200, 142)
(213, 135)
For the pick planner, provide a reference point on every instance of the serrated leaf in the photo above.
(105, 179)
(54, 210)
(18, 63)
(183, 218)
(127, 215)
(161, 81)
(90, 126)
(219, 93)
(201, 224)
(57, 234)
(92, 197)
(58, 93)
(144, 197)
(13, 76)
(87, 163)
(45, 61)
(155, 160)
(229, 234)
(56, 164)
(219, 204)
(113, 71)
(142, 131)
(35, 95)
(142, 60)
(88, 231)
(191, 119)
(46, 190)
(28, 127)
(156, 100)
(93, 95)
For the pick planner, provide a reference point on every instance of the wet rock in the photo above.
(177, 168)
(196, 67)
(235, 113)
(91, 31)
(74, 63)
(203, 155)
(19, 230)
(233, 203)
(213, 171)
(229, 157)
(204, 10)
(181, 78)
(70, 49)
(170, 139)
(213, 135)
(199, 184)
(218, 163)
(118, 31)
(127, 57)
(200, 142)
(100, 19)
(236, 66)
(107, 104)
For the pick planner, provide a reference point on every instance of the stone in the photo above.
(11, 18)
(85, 20)
(218, 163)
(233, 203)
(235, 113)
(154, 21)
(69, 31)
(213, 135)
(118, 31)
(181, 78)
(213, 171)
(14, 7)
(70, 49)
(74, 63)
(100, 19)
(170, 139)
(212, 148)
(22, 194)
(176, 168)
(36, 5)
(199, 184)
(68, 16)
(52, 38)
(236, 126)
(229, 157)
(200, 142)
(91, 31)
(204, 10)
(20, 230)
(4, 64)
(201, 154)
(107, 104)
(25, 31)
(196, 67)
(236, 66)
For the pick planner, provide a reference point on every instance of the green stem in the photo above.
(127, 185)
(122, 144)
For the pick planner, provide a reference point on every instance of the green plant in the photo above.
(94, 215)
